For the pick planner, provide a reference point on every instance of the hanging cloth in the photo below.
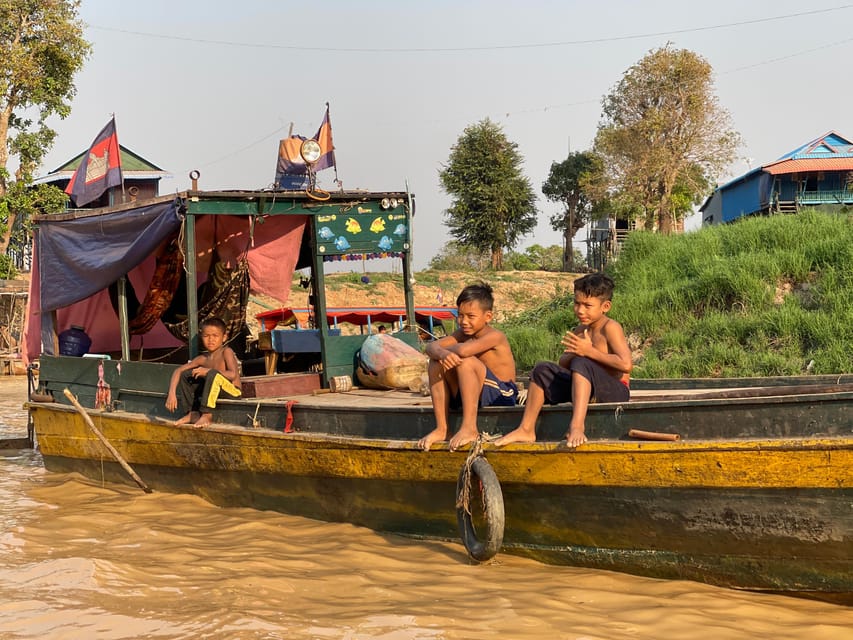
(225, 295)
(164, 283)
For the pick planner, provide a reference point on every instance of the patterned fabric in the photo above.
(225, 295)
(164, 284)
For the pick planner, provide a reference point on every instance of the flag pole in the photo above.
(121, 172)
(329, 120)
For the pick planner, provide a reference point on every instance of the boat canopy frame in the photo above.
(343, 225)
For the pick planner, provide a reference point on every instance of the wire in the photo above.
(721, 73)
(242, 149)
(535, 45)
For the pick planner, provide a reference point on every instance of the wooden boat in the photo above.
(753, 490)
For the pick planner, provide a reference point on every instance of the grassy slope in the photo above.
(764, 296)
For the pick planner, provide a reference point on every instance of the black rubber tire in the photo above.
(493, 502)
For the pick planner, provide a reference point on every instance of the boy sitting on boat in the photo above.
(595, 365)
(195, 386)
(470, 368)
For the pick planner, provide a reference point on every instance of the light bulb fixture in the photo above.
(310, 151)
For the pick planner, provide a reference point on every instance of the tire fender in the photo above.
(483, 545)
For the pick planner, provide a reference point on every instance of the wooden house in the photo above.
(819, 172)
(141, 179)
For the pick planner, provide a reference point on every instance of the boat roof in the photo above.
(258, 201)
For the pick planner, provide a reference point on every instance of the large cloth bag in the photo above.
(386, 362)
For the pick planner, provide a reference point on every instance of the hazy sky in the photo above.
(213, 85)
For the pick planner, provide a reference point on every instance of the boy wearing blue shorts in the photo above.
(471, 368)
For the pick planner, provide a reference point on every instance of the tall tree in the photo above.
(566, 185)
(494, 204)
(455, 257)
(664, 127)
(41, 48)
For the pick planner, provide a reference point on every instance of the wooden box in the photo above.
(282, 384)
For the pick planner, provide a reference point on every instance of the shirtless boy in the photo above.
(472, 367)
(596, 365)
(198, 382)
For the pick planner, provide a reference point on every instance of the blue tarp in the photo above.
(80, 257)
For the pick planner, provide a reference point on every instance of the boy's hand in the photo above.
(200, 372)
(577, 345)
(450, 361)
(171, 401)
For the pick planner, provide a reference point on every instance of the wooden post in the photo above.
(192, 286)
(123, 321)
(105, 442)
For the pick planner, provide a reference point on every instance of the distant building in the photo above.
(604, 239)
(141, 179)
(818, 172)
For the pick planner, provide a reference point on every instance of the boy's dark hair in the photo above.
(213, 321)
(596, 285)
(480, 292)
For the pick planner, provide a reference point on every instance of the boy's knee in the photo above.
(471, 364)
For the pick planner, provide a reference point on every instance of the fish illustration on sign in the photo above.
(353, 226)
(400, 230)
(325, 233)
(378, 225)
(341, 244)
(385, 243)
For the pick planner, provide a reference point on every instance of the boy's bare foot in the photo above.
(517, 435)
(192, 416)
(575, 437)
(206, 418)
(463, 437)
(436, 435)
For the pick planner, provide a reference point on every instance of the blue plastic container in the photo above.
(74, 342)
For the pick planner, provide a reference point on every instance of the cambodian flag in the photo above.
(324, 137)
(99, 169)
(291, 171)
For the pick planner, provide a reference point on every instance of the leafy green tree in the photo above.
(664, 136)
(456, 257)
(494, 204)
(566, 184)
(41, 48)
(536, 258)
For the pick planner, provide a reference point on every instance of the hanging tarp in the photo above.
(82, 256)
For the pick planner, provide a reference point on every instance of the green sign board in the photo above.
(363, 229)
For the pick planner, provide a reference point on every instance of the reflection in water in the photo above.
(78, 560)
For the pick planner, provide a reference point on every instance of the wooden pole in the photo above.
(106, 442)
(123, 320)
(653, 435)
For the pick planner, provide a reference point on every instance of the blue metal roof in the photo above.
(829, 145)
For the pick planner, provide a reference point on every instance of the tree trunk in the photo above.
(7, 234)
(497, 259)
(568, 250)
(664, 222)
(5, 115)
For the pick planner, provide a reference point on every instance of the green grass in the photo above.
(762, 296)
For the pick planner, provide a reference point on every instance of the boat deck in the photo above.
(361, 397)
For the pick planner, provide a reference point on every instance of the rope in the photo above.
(463, 500)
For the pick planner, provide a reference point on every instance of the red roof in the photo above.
(809, 164)
(355, 315)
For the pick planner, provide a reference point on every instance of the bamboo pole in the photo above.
(106, 442)
(653, 435)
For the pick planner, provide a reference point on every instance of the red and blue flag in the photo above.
(99, 169)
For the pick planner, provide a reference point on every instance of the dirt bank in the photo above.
(515, 291)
